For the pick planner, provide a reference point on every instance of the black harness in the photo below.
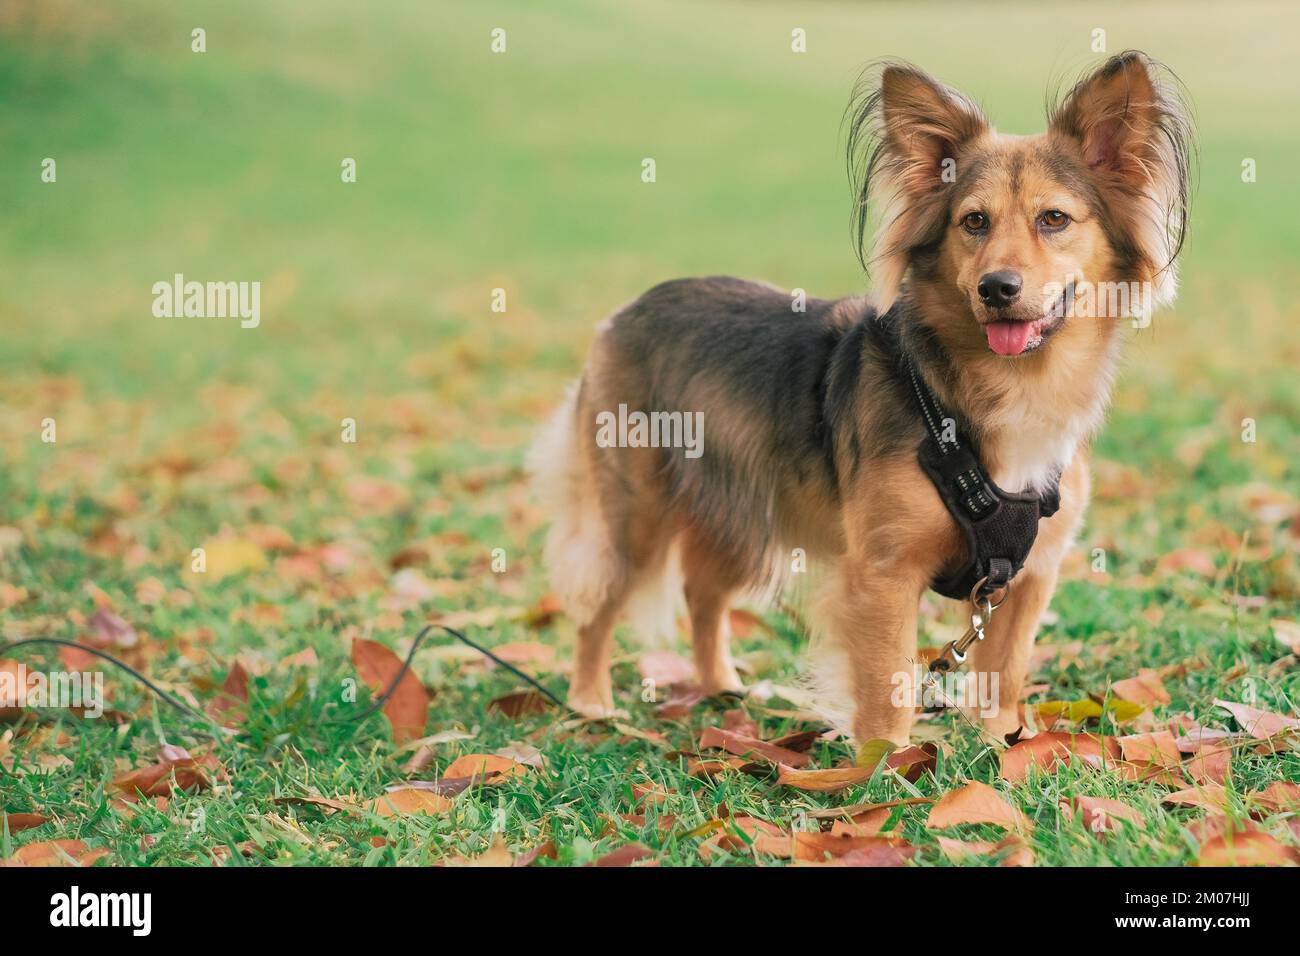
(999, 527)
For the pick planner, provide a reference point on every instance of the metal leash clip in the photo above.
(982, 607)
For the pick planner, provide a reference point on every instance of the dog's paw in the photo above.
(594, 708)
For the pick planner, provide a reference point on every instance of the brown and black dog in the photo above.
(996, 267)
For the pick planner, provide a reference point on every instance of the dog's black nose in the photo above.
(999, 289)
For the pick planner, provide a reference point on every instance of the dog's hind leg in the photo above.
(711, 581)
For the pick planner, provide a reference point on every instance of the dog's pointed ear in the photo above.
(906, 131)
(924, 124)
(1135, 135)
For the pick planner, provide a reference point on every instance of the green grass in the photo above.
(522, 171)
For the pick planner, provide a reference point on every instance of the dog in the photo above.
(987, 245)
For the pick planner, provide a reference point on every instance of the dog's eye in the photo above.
(974, 222)
(1053, 219)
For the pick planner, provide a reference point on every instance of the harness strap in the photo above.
(999, 526)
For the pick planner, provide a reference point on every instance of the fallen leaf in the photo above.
(1147, 688)
(1050, 750)
(1210, 797)
(488, 769)
(407, 709)
(1287, 634)
(1254, 848)
(1260, 724)
(524, 703)
(1099, 813)
(56, 853)
(975, 803)
(22, 821)
(625, 856)
(824, 781)
(156, 779)
(1279, 797)
(109, 630)
(743, 746)
(409, 800)
(227, 556)
(496, 855)
(232, 697)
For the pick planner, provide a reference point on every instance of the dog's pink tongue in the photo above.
(1008, 338)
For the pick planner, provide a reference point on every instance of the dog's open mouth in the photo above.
(1018, 336)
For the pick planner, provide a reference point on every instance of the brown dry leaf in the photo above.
(233, 697)
(541, 851)
(957, 850)
(1210, 766)
(1253, 848)
(1047, 751)
(407, 709)
(109, 630)
(815, 847)
(487, 769)
(56, 853)
(1211, 797)
(1051, 749)
(1157, 748)
(824, 781)
(1287, 634)
(665, 668)
(743, 746)
(975, 803)
(868, 823)
(632, 853)
(739, 833)
(1278, 797)
(1147, 688)
(680, 701)
(22, 821)
(494, 856)
(1099, 813)
(1260, 724)
(408, 800)
(523, 703)
(739, 722)
(327, 802)
(1195, 560)
(156, 780)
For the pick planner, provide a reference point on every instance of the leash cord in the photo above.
(374, 706)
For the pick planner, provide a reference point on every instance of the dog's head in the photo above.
(1004, 240)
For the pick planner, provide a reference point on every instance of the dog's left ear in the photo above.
(1135, 136)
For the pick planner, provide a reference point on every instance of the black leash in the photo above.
(375, 705)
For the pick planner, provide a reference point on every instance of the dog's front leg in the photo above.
(870, 613)
(999, 664)
(1004, 654)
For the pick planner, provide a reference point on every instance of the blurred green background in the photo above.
(522, 171)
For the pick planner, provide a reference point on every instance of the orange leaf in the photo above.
(1260, 724)
(743, 746)
(491, 769)
(1099, 813)
(1047, 751)
(407, 800)
(1254, 848)
(975, 803)
(407, 709)
(824, 781)
(57, 853)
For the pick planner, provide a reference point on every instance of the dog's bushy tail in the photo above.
(584, 566)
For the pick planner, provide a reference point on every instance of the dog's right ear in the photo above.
(905, 133)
